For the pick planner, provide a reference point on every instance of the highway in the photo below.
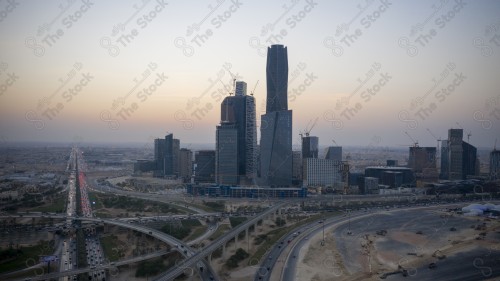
(290, 256)
(171, 274)
(97, 268)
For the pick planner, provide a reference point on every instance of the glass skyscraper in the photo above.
(276, 125)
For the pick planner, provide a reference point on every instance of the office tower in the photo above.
(495, 164)
(334, 153)
(205, 166)
(240, 110)
(226, 154)
(455, 154)
(276, 124)
(159, 156)
(185, 164)
(277, 79)
(469, 159)
(421, 157)
(309, 147)
(176, 146)
(444, 160)
(241, 89)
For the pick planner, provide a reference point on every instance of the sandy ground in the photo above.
(369, 255)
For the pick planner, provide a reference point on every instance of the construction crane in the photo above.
(234, 82)
(415, 143)
(335, 142)
(437, 139)
(251, 93)
(468, 136)
(307, 131)
(495, 146)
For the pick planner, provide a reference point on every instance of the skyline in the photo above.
(375, 56)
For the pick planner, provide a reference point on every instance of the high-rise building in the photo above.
(334, 153)
(422, 160)
(444, 160)
(240, 110)
(226, 154)
(185, 164)
(495, 164)
(205, 166)
(469, 159)
(159, 156)
(310, 147)
(171, 159)
(276, 127)
(241, 89)
(458, 158)
(455, 154)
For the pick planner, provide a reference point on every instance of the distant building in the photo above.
(422, 160)
(392, 176)
(310, 147)
(246, 192)
(495, 164)
(185, 164)
(371, 185)
(334, 153)
(297, 167)
(459, 158)
(444, 160)
(171, 160)
(226, 154)
(392, 163)
(205, 166)
(455, 154)
(143, 165)
(159, 156)
(322, 172)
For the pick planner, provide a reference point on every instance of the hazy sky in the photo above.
(369, 71)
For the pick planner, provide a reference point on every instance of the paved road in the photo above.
(361, 223)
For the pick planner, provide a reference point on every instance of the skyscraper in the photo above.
(276, 125)
(495, 164)
(171, 156)
(455, 154)
(226, 154)
(185, 164)
(159, 155)
(240, 110)
(459, 158)
(310, 147)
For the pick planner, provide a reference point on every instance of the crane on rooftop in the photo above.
(415, 143)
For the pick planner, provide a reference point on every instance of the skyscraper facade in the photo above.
(205, 166)
(444, 160)
(310, 147)
(159, 156)
(226, 154)
(276, 125)
(455, 154)
(240, 110)
(185, 164)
